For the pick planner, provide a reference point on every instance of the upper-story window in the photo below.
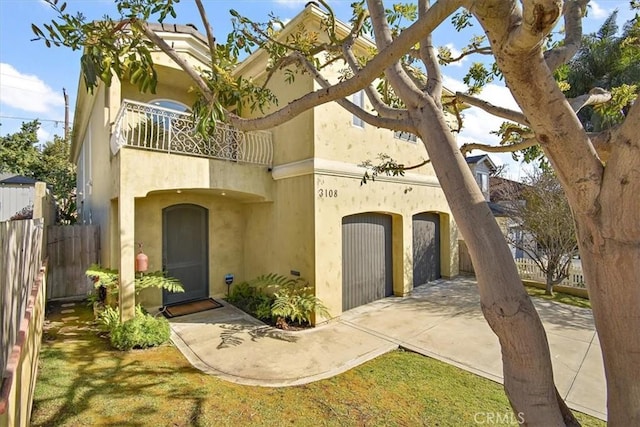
(171, 105)
(483, 181)
(358, 99)
(405, 136)
(164, 118)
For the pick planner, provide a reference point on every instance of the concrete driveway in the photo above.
(440, 320)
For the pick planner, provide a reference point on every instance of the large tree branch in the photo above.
(594, 97)
(538, 19)
(399, 122)
(505, 113)
(171, 53)
(210, 38)
(508, 148)
(601, 141)
(386, 56)
(429, 57)
(573, 13)
(398, 78)
(374, 97)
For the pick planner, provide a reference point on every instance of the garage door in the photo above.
(366, 259)
(426, 248)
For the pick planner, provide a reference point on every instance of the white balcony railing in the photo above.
(155, 128)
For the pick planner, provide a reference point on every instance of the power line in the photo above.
(31, 119)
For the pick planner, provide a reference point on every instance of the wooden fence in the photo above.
(70, 250)
(20, 261)
(22, 287)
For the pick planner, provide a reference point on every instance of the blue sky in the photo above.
(32, 76)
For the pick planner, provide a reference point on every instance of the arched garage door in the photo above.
(366, 259)
(426, 248)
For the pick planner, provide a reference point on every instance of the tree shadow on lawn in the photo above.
(231, 335)
(83, 381)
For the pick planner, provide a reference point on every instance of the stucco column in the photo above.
(449, 246)
(126, 220)
(402, 256)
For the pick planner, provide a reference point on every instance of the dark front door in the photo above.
(426, 248)
(185, 251)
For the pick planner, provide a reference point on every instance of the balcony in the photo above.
(154, 128)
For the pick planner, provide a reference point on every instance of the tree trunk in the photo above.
(528, 375)
(612, 277)
(548, 290)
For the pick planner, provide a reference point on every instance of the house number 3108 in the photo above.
(323, 192)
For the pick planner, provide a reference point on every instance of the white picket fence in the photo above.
(529, 270)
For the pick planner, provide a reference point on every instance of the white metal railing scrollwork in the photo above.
(151, 127)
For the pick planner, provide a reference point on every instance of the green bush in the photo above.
(108, 279)
(295, 302)
(277, 298)
(142, 331)
(252, 299)
(108, 318)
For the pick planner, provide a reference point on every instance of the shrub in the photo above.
(142, 331)
(277, 298)
(295, 302)
(108, 318)
(107, 279)
(252, 299)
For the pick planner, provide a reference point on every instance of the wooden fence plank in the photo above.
(72, 249)
(21, 244)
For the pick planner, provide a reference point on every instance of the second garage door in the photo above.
(426, 248)
(366, 259)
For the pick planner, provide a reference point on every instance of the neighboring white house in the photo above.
(17, 193)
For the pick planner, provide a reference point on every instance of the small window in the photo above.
(405, 136)
(171, 105)
(483, 181)
(164, 118)
(358, 99)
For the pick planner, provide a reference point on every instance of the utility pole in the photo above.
(66, 114)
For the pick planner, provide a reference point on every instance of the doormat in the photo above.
(190, 307)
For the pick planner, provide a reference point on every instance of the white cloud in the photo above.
(44, 135)
(28, 92)
(596, 11)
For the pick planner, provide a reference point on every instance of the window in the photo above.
(483, 181)
(171, 105)
(358, 99)
(164, 118)
(405, 136)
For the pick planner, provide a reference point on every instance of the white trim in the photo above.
(327, 167)
(186, 43)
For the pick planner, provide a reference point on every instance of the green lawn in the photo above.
(559, 297)
(83, 382)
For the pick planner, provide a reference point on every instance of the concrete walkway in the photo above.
(440, 320)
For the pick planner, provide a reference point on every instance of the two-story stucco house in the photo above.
(286, 201)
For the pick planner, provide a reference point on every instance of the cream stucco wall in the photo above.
(226, 239)
(269, 220)
(398, 199)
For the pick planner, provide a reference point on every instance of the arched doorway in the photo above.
(185, 251)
